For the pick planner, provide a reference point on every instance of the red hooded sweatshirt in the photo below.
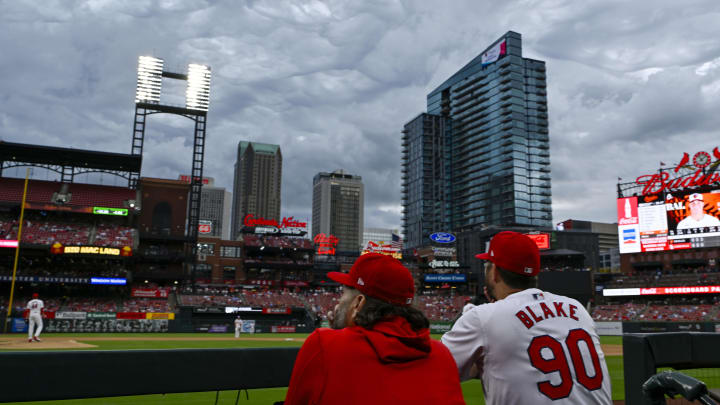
(388, 364)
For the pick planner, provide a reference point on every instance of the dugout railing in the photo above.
(55, 375)
(644, 353)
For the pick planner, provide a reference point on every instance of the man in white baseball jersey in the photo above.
(35, 307)
(238, 326)
(468, 305)
(528, 346)
(698, 218)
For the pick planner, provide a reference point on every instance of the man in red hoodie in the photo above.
(379, 350)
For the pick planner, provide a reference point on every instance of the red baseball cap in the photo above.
(35, 295)
(514, 252)
(379, 276)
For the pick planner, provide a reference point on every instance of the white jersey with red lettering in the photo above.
(35, 306)
(532, 347)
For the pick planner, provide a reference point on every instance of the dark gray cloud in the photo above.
(630, 83)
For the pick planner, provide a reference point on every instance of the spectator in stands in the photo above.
(381, 351)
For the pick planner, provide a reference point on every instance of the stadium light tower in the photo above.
(197, 96)
(197, 100)
(149, 80)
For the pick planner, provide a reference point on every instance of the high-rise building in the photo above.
(480, 155)
(214, 209)
(258, 178)
(338, 206)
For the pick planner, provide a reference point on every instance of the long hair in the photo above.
(376, 310)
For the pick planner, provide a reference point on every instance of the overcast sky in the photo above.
(630, 84)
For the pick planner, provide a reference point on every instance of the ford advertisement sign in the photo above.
(442, 237)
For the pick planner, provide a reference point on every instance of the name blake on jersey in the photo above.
(530, 320)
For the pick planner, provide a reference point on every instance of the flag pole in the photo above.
(17, 250)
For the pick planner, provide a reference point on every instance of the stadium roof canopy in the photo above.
(77, 158)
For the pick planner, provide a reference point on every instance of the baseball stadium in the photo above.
(112, 267)
(142, 305)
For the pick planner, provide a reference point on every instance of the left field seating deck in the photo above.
(11, 190)
(82, 195)
(46, 232)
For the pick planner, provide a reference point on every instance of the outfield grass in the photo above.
(472, 390)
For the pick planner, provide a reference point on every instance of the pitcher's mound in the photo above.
(49, 343)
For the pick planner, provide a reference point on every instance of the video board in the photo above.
(542, 240)
(682, 221)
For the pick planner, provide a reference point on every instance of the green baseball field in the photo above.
(612, 346)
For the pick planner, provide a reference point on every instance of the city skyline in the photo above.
(333, 83)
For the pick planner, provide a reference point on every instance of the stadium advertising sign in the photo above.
(288, 225)
(8, 243)
(542, 240)
(231, 310)
(671, 214)
(494, 53)
(658, 182)
(149, 292)
(56, 207)
(382, 247)
(326, 244)
(443, 263)
(42, 279)
(108, 280)
(442, 237)
(70, 315)
(619, 292)
(443, 251)
(295, 283)
(679, 222)
(110, 211)
(276, 311)
(160, 315)
(105, 325)
(57, 248)
(204, 227)
(206, 181)
(445, 278)
(101, 315)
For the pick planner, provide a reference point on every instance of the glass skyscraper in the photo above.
(480, 155)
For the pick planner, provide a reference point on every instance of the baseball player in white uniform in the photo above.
(698, 218)
(35, 307)
(238, 326)
(528, 346)
(468, 305)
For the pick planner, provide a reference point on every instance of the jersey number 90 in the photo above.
(559, 363)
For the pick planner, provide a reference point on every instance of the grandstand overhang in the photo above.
(68, 162)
